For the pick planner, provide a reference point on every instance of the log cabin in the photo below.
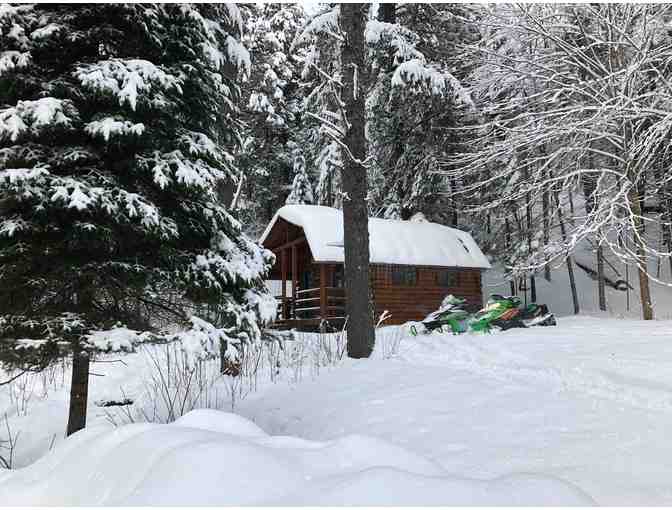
(414, 265)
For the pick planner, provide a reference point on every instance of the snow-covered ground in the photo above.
(575, 414)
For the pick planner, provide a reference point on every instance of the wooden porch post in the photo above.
(294, 275)
(323, 292)
(283, 270)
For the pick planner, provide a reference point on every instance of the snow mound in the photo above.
(216, 458)
(218, 421)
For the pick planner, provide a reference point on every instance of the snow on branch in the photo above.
(227, 264)
(10, 60)
(416, 73)
(110, 127)
(393, 35)
(118, 339)
(46, 31)
(33, 116)
(174, 167)
(238, 55)
(323, 24)
(128, 80)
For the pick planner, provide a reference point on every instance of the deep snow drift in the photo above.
(569, 414)
(216, 458)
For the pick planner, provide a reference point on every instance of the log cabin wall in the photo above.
(410, 293)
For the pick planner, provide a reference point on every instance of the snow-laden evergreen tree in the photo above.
(273, 107)
(117, 125)
(411, 85)
(418, 65)
(319, 43)
(302, 189)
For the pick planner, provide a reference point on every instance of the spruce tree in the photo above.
(117, 126)
(302, 190)
(273, 114)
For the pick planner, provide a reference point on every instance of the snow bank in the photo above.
(215, 458)
(390, 241)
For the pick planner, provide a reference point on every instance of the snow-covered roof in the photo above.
(413, 243)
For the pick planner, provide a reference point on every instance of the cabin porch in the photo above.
(310, 295)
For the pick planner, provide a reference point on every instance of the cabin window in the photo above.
(402, 275)
(446, 278)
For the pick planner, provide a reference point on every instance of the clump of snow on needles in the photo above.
(109, 127)
(116, 339)
(214, 458)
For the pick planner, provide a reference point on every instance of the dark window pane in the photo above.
(446, 278)
(404, 276)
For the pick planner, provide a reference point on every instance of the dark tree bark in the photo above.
(635, 197)
(642, 270)
(355, 211)
(601, 294)
(568, 259)
(79, 390)
(507, 244)
(545, 213)
(528, 217)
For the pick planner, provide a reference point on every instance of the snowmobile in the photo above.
(451, 316)
(505, 313)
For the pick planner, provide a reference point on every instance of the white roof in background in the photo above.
(415, 243)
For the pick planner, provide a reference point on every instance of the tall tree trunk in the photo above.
(545, 213)
(528, 217)
(355, 212)
(642, 269)
(601, 294)
(79, 389)
(507, 244)
(636, 199)
(568, 259)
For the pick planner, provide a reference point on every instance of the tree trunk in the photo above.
(568, 260)
(355, 212)
(635, 197)
(642, 269)
(545, 212)
(602, 298)
(507, 244)
(79, 390)
(528, 217)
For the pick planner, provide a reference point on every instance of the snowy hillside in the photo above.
(556, 293)
(565, 415)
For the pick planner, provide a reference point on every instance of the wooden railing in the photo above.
(313, 304)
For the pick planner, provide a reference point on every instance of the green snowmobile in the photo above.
(505, 313)
(451, 316)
